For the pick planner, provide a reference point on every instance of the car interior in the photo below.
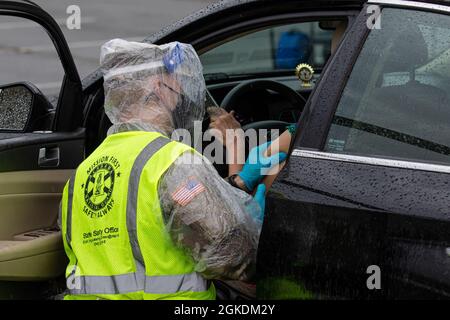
(30, 244)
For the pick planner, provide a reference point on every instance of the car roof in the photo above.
(235, 5)
(26, 1)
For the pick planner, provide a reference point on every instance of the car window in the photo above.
(272, 49)
(29, 63)
(396, 102)
(28, 54)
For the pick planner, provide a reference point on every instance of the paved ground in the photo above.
(26, 53)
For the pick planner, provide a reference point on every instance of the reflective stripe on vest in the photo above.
(133, 187)
(69, 210)
(137, 281)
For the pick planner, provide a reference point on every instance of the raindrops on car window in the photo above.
(396, 101)
(15, 107)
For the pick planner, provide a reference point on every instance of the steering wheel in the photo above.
(232, 98)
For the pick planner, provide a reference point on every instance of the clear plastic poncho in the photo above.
(149, 86)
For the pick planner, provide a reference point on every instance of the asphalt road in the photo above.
(27, 54)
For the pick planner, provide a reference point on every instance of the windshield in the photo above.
(279, 48)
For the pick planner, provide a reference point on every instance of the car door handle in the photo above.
(48, 157)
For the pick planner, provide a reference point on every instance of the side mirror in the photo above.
(23, 108)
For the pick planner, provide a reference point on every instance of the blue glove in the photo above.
(257, 166)
(260, 198)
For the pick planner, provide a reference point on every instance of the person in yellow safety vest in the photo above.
(144, 216)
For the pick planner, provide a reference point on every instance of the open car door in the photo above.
(40, 146)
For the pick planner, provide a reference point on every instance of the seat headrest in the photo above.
(408, 51)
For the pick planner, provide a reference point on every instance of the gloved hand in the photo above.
(257, 165)
(260, 198)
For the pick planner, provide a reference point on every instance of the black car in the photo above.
(361, 210)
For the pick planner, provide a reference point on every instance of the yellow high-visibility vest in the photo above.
(113, 229)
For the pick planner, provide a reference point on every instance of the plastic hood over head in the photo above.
(150, 87)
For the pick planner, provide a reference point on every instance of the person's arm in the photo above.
(213, 223)
(236, 151)
(230, 135)
(226, 124)
(281, 144)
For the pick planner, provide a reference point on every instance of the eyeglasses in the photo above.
(170, 88)
(148, 97)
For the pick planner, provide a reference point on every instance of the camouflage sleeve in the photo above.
(210, 219)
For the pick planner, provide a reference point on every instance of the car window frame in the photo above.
(68, 111)
(274, 72)
(211, 40)
(311, 143)
(313, 125)
(218, 38)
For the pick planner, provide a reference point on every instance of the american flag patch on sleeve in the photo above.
(188, 191)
